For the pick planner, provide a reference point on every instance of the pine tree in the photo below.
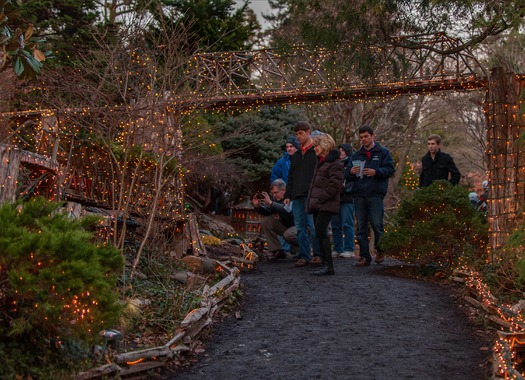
(56, 287)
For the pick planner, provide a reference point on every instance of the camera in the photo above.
(259, 196)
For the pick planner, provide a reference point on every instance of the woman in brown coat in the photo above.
(324, 195)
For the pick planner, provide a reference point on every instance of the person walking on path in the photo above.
(282, 166)
(343, 222)
(372, 166)
(437, 165)
(300, 176)
(324, 196)
(278, 220)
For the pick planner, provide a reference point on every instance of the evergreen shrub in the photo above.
(505, 272)
(437, 227)
(57, 289)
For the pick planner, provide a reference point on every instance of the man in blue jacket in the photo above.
(282, 166)
(371, 167)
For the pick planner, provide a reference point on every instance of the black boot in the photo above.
(324, 271)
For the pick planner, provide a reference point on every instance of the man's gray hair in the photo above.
(279, 184)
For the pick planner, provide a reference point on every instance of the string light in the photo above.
(148, 141)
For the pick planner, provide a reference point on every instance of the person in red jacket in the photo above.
(324, 196)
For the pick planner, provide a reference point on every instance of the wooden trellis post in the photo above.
(9, 168)
(505, 155)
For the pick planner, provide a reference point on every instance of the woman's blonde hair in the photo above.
(325, 142)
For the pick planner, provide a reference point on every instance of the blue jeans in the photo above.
(368, 210)
(304, 222)
(286, 246)
(343, 228)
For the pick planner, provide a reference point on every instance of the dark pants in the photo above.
(321, 221)
(368, 210)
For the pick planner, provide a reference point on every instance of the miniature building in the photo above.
(245, 220)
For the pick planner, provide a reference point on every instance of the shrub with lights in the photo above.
(57, 289)
(437, 228)
(505, 272)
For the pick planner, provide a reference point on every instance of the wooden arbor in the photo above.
(253, 78)
(250, 78)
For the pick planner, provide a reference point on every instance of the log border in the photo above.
(511, 325)
(185, 339)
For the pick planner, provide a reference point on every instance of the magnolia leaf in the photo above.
(35, 65)
(18, 66)
(39, 56)
(29, 32)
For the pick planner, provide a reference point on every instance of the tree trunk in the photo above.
(505, 156)
(409, 139)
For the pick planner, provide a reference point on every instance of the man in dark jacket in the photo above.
(372, 166)
(437, 165)
(278, 220)
(300, 176)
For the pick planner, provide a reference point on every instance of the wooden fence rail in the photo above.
(128, 363)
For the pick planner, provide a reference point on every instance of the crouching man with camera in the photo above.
(278, 219)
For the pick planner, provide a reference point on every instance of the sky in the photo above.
(259, 7)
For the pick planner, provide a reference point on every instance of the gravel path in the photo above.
(359, 324)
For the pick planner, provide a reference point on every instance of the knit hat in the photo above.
(316, 133)
(293, 140)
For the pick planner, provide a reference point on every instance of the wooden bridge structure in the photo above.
(302, 74)
(248, 79)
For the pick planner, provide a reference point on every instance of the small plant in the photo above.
(437, 227)
(57, 289)
(161, 301)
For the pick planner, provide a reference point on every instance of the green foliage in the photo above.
(167, 301)
(18, 46)
(438, 226)
(505, 272)
(56, 288)
(216, 25)
(257, 139)
(199, 137)
(68, 24)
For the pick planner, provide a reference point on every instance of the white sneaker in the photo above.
(335, 254)
(347, 254)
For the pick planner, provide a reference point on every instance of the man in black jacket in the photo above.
(437, 165)
(278, 219)
(300, 176)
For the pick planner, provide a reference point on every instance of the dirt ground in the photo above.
(362, 323)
